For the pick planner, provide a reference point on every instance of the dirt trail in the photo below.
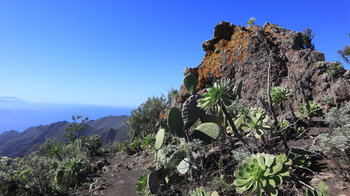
(118, 175)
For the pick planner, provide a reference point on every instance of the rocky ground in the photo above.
(117, 174)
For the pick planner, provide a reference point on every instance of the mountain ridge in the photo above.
(17, 144)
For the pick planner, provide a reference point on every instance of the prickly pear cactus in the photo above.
(190, 111)
(160, 139)
(207, 132)
(175, 122)
(59, 176)
(153, 182)
(184, 166)
(210, 118)
(190, 83)
(176, 158)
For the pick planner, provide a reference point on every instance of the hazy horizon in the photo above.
(19, 115)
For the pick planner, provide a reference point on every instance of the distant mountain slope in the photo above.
(14, 144)
(8, 135)
(108, 122)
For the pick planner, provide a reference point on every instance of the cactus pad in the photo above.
(184, 166)
(190, 111)
(59, 176)
(160, 139)
(153, 182)
(190, 83)
(207, 132)
(176, 158)
(211, 118)
(175, 122)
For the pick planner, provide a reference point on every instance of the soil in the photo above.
(118, 175)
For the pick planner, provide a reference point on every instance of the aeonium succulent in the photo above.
(254, 120)
(279, 94)
(261, 172)
(222, 91)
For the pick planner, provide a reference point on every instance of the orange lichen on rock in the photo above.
(226, 52)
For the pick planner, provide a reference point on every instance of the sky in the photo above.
(118, 53)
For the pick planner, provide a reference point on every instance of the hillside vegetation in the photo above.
(263, 114)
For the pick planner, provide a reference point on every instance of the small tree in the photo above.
(307, 38)
(345, 53)
(143, 120)
(73, 130)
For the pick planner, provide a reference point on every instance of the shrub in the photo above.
(122, 146)
(319, 63)
(143, 120)
(334, 69)
(307, 38)
(141, 183)
(70, 173)
(336, 142)
(147, 141)
(74, 128)
(339, 138)
(261, 172)
(92, 144)
(28, 175)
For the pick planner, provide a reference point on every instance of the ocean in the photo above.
(22, 115)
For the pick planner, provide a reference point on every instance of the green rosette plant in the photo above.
(222, 91)
(221, 95)
(254, 120)
(262, 172)
(202, 192)
(280, 94)
(315, 109)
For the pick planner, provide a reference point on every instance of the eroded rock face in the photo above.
(242, 53)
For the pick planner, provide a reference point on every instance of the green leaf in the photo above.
(277, 168)
(239, 89)
(272, 182)
(271, 190)
(269, 160)
(241, 182)
(241, 189)
(322, 185)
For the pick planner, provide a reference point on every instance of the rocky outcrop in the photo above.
(244, 53)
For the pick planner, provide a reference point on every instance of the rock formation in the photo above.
(244, 53)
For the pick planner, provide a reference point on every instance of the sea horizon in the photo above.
(20, 116)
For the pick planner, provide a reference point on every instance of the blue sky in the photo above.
(119, 53)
